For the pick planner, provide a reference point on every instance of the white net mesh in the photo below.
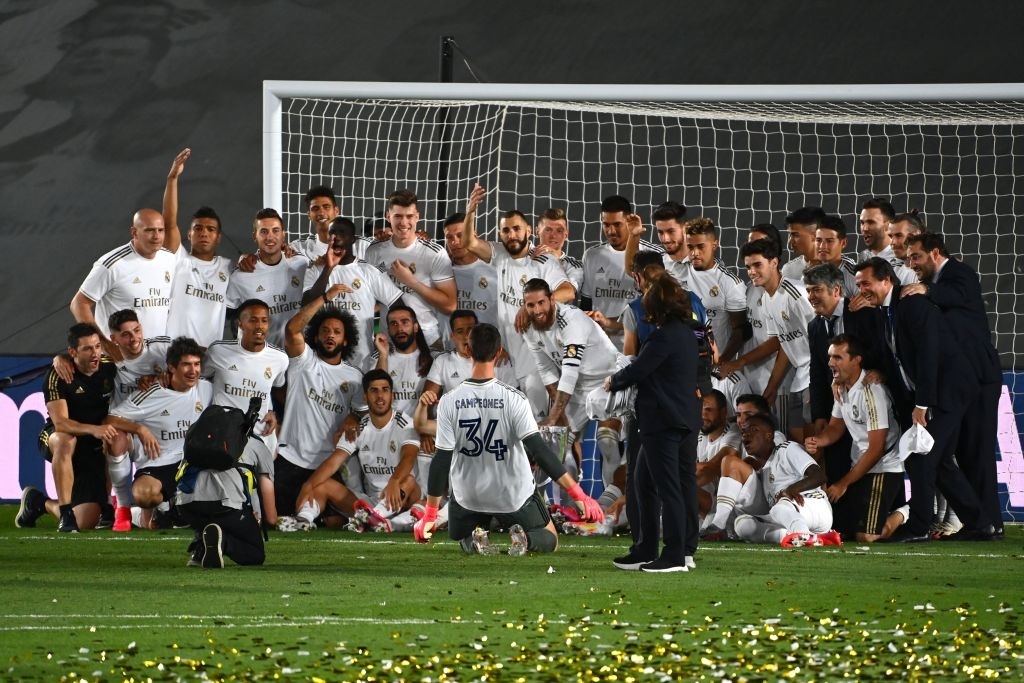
(741, 163)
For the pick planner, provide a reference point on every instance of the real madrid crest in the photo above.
(267, 373)
(785, 316)
(167, 276)
(392, 447)
(483, 283)
(412, 268)
(199, 406)
(522, 279)
(344, 387)
(357, 283)
(856, 413)
(223, 276)
(715, 291)
(295, 281)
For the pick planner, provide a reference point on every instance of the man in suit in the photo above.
(824, 283)
(931, 364)
(953, 286)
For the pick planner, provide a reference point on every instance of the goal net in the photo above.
(739, 155)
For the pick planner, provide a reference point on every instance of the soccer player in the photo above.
(903, 226)
(485, 429)
(276, 279)
(404, 354)
(670, 225)
(552, 234)
(323, 396)
(513, 261)
(198, 298)
(799, 514)
(802, 225)
(476, 280)
(723, 294)
(829, 242)
(246, 367)
(876, 216)
(718, 438)
(72, 439)
(363, 286)
(452, 368)
(607, 288)
(758, 373)
(386, 449)
(421, 269)
(138, 275)
(322, 208)
(873, 485)
(159, 417)
(574, 356)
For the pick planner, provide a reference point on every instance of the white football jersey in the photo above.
(167, 414)
(786, 466)
(606, 283)
(477, 287)
(430, 264)
(733, 386)
(574, 341)
(199, 298)
(867, 408)
(680, 270)
(451, 369)
(794, 269)
(573, 268)
(483, 424)
(788, 313)
(312, 248)
(152, 361)
(513, 273)
(320, 396)
(370, 286)
(122, 279)
(708, 448)
(379, 451)
(239, 375)
(722, 293)
(408, 385)
(278, 286)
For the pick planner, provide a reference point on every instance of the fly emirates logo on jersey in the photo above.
(247, 390)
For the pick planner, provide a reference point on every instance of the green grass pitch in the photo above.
(338, 606)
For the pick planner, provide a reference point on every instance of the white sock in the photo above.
(164, 506)
(610, 494)
(611, 456)
(728, 490)
(786, 515)
(120, 469)
(754, 530)
(137, 517)
(403, 521)
(309, 511)
(442, 517)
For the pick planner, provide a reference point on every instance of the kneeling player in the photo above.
(484, 431)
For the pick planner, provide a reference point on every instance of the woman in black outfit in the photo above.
(665, 372)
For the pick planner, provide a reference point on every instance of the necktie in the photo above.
(830, 325)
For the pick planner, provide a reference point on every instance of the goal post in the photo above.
(739, 154)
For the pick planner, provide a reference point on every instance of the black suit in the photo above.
(944, 382)
(665, 373)
(957, 292)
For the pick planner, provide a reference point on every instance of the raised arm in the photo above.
(478, 247)
(172, 233)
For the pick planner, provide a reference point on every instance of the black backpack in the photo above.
(216, 440)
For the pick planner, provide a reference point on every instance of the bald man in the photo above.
(136, 275)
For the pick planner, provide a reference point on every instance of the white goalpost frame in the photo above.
(926, 105)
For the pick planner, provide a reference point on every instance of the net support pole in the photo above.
(444, 150)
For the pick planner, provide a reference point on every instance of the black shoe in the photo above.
(213, 551)
(630, 562)
(106, 519)
(905, 535)
(663, 566)
(1000, 534)
(985, 533)
(33, 506)
(68, 524)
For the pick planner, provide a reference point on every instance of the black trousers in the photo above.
(666, 478)
(976, 449)
(242, 538)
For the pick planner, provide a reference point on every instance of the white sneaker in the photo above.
(690, 563)
(286, 524)
(520, 541)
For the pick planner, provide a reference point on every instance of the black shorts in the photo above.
(242, 537)
(288, 479)
(89, 467)
(166, 475)
(533, 515)
(871, 498)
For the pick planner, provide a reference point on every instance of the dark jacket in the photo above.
(665, 372)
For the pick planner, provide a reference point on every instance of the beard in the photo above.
(321, 351)
(404, 345)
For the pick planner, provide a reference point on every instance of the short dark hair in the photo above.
(853, 345)
(615, 204)
(537, 284)
(402, 198)
(484, 342)
(756, 400)
(341, 223)
(880, 268)
(251, 303)
(457, 217)
(669, 211)
(319, 191)
(772, 233)
(929, 241)
(118, 318)
(375, 375)
(207, 212)
(515, 213)
(645, 258)
(882, 205)
(265, 213)
(80, 331)
(372, 225)
(764, 247)
(701, 226)
(834, 223)
(718, 397)
(825, 274)
(462, 313)
(348, 322)
(181, 347)
(913, 218)
(764, 419)
(806, 215)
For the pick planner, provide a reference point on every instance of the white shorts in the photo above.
(816, 510)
